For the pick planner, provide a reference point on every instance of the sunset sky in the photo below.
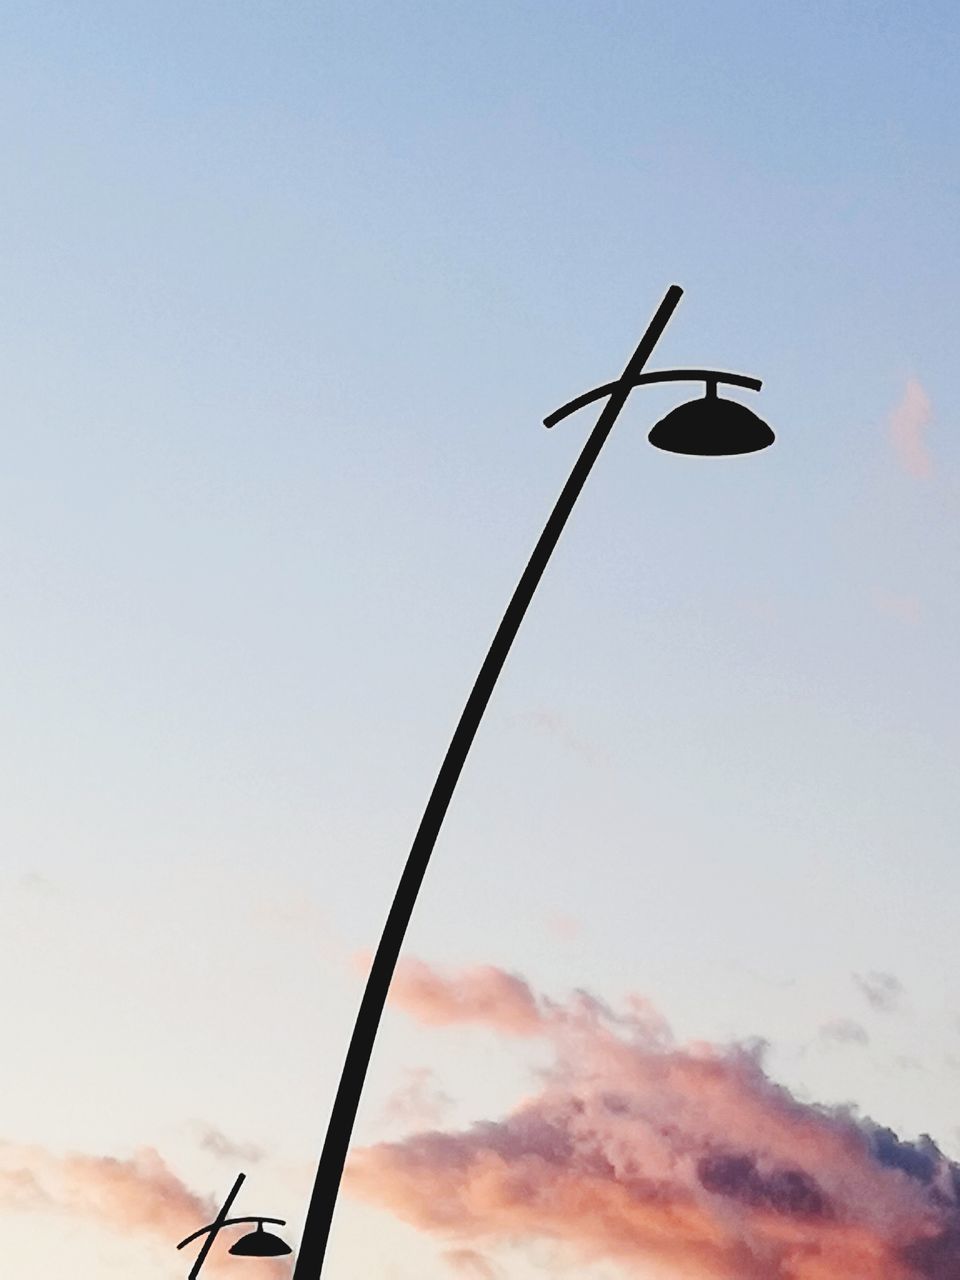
(288, 289)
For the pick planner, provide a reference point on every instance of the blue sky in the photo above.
(288, 290)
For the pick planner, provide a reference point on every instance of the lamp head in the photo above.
(260, 1244)
(711, 427)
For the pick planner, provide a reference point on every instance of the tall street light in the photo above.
(708, 426)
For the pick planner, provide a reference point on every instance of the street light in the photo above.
(709, 426)
(255, 1244)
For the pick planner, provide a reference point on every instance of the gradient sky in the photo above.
(287, 291)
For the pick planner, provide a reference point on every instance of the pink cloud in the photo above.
(484, 995)
(636, 1150)
(504, 1002)
(908, 422)
(137, 1196)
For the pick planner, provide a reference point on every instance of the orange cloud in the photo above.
(638, 1151)
(136, 1196)
(908, 422)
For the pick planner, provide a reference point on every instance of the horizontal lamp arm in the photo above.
(664, 375)
(229, 1222)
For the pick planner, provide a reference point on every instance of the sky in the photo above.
(288, 289)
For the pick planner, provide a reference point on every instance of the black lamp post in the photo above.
(708, 426)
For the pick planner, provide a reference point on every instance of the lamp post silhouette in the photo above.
(255, 1244)
(710, 426)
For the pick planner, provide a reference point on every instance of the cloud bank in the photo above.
(639, 1150)
(139, 1196)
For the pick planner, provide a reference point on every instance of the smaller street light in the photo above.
(255, 1244)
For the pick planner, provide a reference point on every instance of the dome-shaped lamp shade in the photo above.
(260, 1244)
(711, 427)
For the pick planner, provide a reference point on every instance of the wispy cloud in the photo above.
(904, 607)
(139, 1194)
(563, 926)
(419, 1100)
(882, 991)
(637, 1150)
(136, 1196)
(36, 883)
(553, 725)
(470, 1264)
(20, 1189)
(212, 1139)
(908, 423)
(844, 1031)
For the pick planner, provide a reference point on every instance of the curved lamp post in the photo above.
(709, 426)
